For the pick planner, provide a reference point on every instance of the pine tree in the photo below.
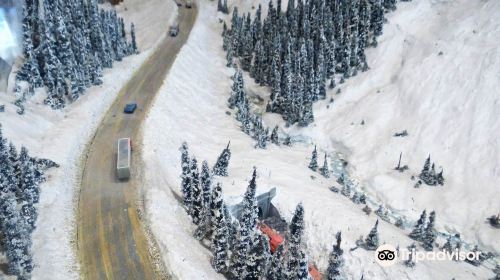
(346, 190)
(220, 167)
(194, 198)
(325, 170)
(303, 268)
(313, 165)
(133, 46)
(419, 229)
(220, 233)
(440, 178)
(246, 237)
(258, 259)
(237, 90)
(240, 252)
(432, 176)
(424, 174)
(336, 261)
(197, 195)
(274, 136)
(249, 213)
(186, 186)
(206, 185)
(277, 268)
(371, 241)
(429, 236)
(297, 225)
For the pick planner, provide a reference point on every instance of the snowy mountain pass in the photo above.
(192, 107)
(63, 135)
(112, 242)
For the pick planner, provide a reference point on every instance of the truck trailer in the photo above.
(123, 159)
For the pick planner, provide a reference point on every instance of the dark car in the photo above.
(130, 108)
(174, 30)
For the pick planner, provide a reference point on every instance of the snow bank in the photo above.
(192, 107)
(62, 136)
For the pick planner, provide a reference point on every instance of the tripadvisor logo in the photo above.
(386, 255)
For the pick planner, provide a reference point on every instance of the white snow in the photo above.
(449, 104)
(63, 135)
(415, 95)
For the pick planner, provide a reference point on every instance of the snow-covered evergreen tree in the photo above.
(258, 258)
(274, 136)
(133, 44)
(313, 164)
(325, 171)
(240, 252)
(220, 167)
(419, 229)
(424, 174)
(297, 225)
(371, 241)
(196, 203)
(346, 190)
(429, 236)
(249, 213)
(303, 268)
(220, 233)
(277, 268)
(186, 186)
(336, 261)
(206, 185)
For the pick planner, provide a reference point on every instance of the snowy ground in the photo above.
(192, 104)
(62, 136)
(448, 102)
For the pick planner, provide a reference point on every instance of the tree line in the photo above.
(20, 179)
(296, 51)
(239, 249)
(66, 44)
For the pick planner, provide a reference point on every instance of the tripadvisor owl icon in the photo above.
(386, 255)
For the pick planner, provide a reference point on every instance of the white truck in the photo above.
(123, 158)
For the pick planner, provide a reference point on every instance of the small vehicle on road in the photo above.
(189, 4)
(130, 108)
(123, 158)
(178, 3)
(174, 30)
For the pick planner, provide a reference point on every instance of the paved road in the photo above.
(112, 242)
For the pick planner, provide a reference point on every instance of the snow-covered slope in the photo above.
(62, 136)
(435, 73)
(191, 107)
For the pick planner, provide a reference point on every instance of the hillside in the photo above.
(409, 86)
(434, 74)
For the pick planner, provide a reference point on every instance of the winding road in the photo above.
(111, 238)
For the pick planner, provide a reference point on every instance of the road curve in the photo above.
(111, 239)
